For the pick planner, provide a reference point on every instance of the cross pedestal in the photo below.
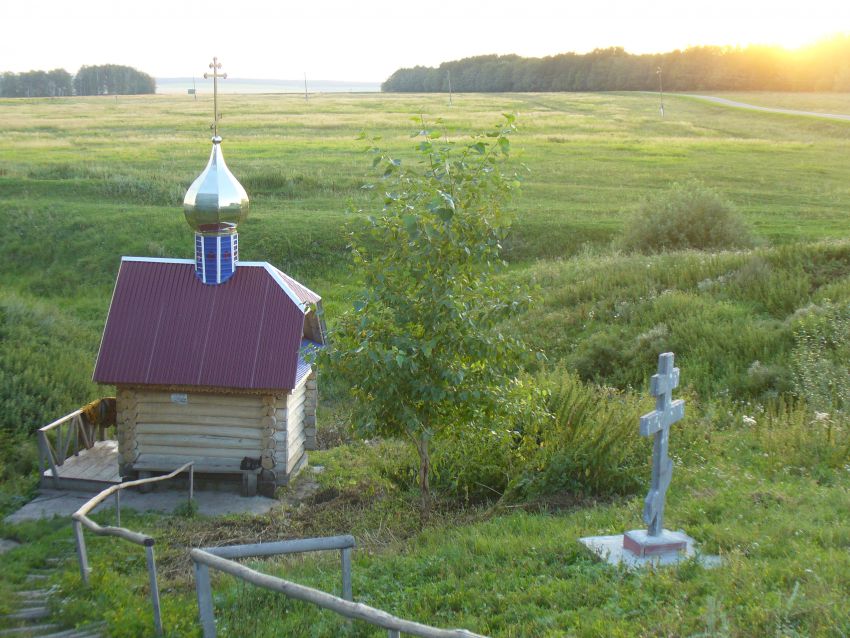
(640, 543)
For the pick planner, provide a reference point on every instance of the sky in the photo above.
(366, 40)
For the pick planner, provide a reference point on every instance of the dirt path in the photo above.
(766, 109)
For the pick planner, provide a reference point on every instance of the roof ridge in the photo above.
(294, 280)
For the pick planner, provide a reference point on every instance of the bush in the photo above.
(572, 437)
(419, 350)
(689, 215)
(820, 357)
(477, 463)
(588, 446)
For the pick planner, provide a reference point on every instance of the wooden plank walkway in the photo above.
(93, 469)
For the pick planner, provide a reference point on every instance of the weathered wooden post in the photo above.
(44, 444)
(346, 573)
(42, 457)
(81, 551)
(157, 616)
(205, 600)
(191, 485)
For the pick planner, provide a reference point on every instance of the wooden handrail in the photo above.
(205, 559)
(61, 420)
(103, 495)
(52, 454)
(81, 519)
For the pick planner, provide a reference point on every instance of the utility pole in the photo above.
(305, 86)
(660, 92)
(450, 86)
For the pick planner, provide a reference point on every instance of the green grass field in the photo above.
(84, 181)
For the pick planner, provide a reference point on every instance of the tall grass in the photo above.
(47, 358)
(586, 445)
(608, 316)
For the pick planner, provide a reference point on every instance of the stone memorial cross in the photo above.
(655, 545)
(658, 422)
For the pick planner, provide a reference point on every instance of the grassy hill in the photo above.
(84, 181)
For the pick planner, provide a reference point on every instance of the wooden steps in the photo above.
(32, 619)
(29, 630)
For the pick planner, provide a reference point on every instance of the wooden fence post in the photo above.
(44, 443)
(42, 457)
(346, 574)
(157, 617)
(205, 600)
(81, 552)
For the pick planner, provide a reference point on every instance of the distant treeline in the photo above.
(821, 67)
(103, 79)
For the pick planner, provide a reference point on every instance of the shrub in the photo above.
(587, 446)
(475, 464)
(820, 357)
(478, 462)
(689, 215)
(777, 288)
(573, 437)
(766, 382)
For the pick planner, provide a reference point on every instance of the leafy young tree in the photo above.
(419, 350)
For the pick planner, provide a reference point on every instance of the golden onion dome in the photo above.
(215, 202)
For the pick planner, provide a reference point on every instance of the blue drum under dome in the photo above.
(216, 257)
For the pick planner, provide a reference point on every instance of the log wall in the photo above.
(168, 429)
(159, 430)
(295, 426)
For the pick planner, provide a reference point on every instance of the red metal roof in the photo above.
(165, 327)
(301, 291)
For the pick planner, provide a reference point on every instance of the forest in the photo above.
(821, 67)
(102, 79)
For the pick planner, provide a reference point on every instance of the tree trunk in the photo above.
(424, 473)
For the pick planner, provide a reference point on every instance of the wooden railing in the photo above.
(66, 437)
(219, 558)
(81, 519)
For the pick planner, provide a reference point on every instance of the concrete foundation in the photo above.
(611, 550)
